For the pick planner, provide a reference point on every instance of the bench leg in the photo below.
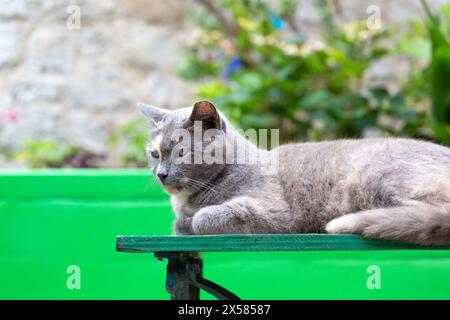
(184, 278)
(181, 268)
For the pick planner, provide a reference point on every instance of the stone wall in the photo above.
(75, 83)
(76, 80)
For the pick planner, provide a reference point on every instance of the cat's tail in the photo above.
(423, 224)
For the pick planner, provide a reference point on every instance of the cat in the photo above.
(384, 188)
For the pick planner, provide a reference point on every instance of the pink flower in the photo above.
(10, 115)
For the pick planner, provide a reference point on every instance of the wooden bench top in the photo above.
(258, 242)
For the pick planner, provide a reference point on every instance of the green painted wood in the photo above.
(257, 242)
(52, 219)
(79, 183)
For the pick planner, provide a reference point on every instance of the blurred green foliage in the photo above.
(439, 32)
(131, 139)
(253, 62)
(52, 154)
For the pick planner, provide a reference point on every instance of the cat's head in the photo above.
(180, 142)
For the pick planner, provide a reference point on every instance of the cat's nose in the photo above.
(162, 176)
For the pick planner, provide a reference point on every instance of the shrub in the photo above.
(254, 63)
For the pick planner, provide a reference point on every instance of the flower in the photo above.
(234, 65)
(276, 21)
(311, 47)
(10, 115)
(358, 30)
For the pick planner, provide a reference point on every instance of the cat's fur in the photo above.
(386, 188)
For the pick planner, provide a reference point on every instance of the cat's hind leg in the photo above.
(423, 224)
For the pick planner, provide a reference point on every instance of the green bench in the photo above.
(185, 267)
(77, 213)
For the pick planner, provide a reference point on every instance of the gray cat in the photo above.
(386, 188)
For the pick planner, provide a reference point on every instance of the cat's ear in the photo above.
(206, 112)
(154, 114)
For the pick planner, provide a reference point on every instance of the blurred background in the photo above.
(71, 71)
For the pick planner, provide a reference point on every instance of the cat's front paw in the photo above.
(202, 223)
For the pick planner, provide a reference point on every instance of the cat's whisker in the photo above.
(208, 188)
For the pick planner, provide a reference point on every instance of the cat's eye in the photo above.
(181, 152)
(154, 154)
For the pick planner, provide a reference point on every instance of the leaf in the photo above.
(316, 99)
